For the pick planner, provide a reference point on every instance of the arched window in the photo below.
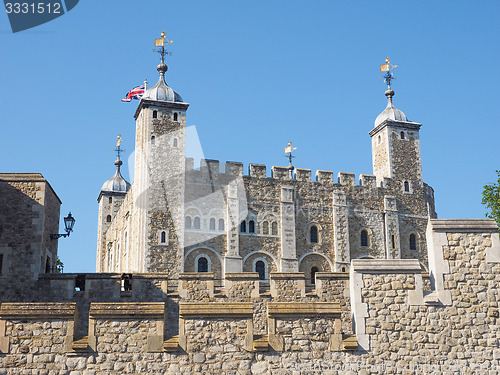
(243, 227)
(251, 226)
(188, 222)
(413, 242)
(314, 234)
(155, 114)
(196, 223)
(265, 227)
(212, 223)
(175, 116)
(153, 139)
(163, 237)
(274, 228)
(175, 142)
(108, 218)
(402, 135)
(110, 200)
(364, 238)
(221, 224)
(343, 269)
(379, 139)
(202, 264)
(407, 186)
(313, 275)
(260, 268)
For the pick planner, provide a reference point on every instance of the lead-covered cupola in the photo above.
(161, 91)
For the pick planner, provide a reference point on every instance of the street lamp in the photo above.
(69, 222)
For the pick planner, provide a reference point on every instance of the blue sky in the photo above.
(256, 74)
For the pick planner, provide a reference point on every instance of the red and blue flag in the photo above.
(136, 93)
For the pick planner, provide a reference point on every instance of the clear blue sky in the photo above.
(257, 74)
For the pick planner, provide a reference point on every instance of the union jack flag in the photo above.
(135, 93)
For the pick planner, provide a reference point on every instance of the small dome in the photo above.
(161, 91)
(390, 112)
(116, 183)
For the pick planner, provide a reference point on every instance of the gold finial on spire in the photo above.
(118, 148)
(119, 141)
(162, 42)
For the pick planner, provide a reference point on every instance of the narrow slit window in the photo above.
(155, 114)
(314, 234)
(163, 237)
(153, 139)
(413, 242)
(407, 186)
(175, 142)
(110, 200)
(175, 116)
(108, 219)
(402, 135)
(393, 240)
(364, 238)
(251, 226)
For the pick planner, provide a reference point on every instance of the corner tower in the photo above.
(158, 191)
(110, 200)
(396, 143)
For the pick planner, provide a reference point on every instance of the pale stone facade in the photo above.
(176, 218)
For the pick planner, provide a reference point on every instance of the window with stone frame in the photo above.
(251, 226)
(265, 227)
(108, 219)
(413, 242)
(243, 226)
(212, 223)
(197, 223)
(188, 222)
(175, 116)
(365, 242)
(202, 264)
(314, 270)
(406, 186)
(260, 268)
(402, 135)
(163, 237)
(155, 114)
(221, 224)
(313, 234)
(110, 200)
(274, 228)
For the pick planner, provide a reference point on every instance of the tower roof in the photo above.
(161, 91)
(116, 184)
(390, 112)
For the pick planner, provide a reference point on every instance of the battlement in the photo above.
(235, 169)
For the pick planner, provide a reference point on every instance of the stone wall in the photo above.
(399, 324)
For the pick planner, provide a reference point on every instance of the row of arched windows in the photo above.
(267, 227)
(176, 116)
(195, 223)
(365, 240)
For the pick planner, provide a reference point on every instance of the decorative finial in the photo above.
(162, 42)
(387, 67)
(288, 151)
(118, 150)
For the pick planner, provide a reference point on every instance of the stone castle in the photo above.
(210, 271)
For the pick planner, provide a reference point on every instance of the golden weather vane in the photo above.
(118, 148)
(162, 42)
(288, 150)
(387, 67)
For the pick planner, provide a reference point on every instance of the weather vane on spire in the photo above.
(162, 42)
(118, 148)
(387, 67)
(288, 151)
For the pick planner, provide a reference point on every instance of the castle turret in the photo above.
(396, 145)
(159, 176)
(110, 198)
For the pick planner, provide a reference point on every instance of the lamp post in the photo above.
(69, 222)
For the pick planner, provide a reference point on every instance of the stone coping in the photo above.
(242, 276)
(103, 276)
(287, 276)
(284, 309)
(106, 310)
(196, 276)
(22, 177)
(215, 309)
(332, 275)
(32, 310)
(464, 225)
(386, 265)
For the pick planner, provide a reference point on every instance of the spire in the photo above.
(117, 183)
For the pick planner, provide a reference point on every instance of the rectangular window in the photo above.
(1, 263)
(393, 242)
